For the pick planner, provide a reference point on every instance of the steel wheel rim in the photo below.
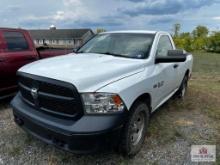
(137, 128)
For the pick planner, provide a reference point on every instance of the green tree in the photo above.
(200, 32)
(184, 41)
(176, 29)
(214, 42)
(200, 35)
(187, 41)
(198, 39)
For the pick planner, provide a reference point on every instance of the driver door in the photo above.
(166, 72)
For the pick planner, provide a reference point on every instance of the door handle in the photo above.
(175, 66)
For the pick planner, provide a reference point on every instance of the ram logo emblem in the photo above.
(34, 93)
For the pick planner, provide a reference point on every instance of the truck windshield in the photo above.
(130, 45)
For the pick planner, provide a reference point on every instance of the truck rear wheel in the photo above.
(183, 88)
(134, 130)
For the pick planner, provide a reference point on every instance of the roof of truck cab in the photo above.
(133, 31)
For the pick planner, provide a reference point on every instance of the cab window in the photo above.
(15, 41)
(164, 45)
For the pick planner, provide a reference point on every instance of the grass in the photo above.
(206, 79)
(206, 63)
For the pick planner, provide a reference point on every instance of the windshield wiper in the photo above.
(113, 54)
(107, 53)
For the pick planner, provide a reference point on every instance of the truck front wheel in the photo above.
(135, 129)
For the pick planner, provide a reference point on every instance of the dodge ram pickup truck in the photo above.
(16, 50)
(103, 95)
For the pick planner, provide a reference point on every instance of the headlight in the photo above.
(102, 102)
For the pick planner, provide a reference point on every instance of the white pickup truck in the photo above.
(104, 94)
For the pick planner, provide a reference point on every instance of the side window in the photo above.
(163, 46)
(15, 41)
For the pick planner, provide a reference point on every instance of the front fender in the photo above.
(129, 88)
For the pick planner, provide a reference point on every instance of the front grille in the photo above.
(53, 96)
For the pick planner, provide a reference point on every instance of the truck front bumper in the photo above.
(87, 134)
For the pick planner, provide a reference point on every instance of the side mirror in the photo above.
(172, 56)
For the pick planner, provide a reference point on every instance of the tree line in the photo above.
(199, 39)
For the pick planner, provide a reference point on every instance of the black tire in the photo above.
(130, 144)
(183, 88)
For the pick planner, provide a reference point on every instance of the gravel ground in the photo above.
(173, 129)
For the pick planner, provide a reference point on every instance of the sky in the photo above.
(110, 14)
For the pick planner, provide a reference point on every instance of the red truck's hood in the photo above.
(88, 72)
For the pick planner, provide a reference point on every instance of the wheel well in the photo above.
(144, 98)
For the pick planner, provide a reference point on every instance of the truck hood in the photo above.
(87, 71)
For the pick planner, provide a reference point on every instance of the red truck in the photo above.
(17, 49)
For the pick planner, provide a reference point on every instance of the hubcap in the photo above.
(137, 128)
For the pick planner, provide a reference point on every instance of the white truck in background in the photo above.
(107, 91)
